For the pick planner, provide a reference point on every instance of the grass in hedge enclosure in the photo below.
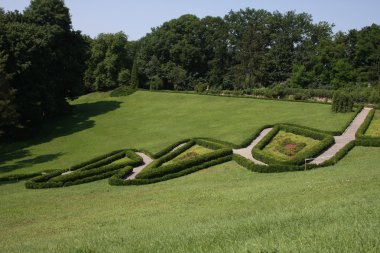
(222, 209)
(268, 150)
(374, 127)
(150, 121)
(192, 152)
(285, 145)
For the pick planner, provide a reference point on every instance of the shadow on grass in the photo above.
(78, 121)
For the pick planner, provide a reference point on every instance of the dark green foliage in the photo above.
(342, 102)
(155, 83)
(119, 177)
(325, 142)
(122, 91)
(338, 156)
(43, 60)
(272, 168)
(135, 82)
(211, 144)
(109, 62)
(364, 140)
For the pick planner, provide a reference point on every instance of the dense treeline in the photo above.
(44, 62)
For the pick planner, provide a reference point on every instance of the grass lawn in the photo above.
(374, 127)
(150, 120)
(284, 145)
(192, 152)
(221, 209)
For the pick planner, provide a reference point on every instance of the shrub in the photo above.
(169, 148)
(342, 102)
(119, 177)
(272, 168)
(122, 91)
(155, 83)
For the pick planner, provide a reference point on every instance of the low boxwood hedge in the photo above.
(119, 177)
(272, 168)
(364, 140)
(325, 142)
(210, 144)
(80, 176)
(174, 175)
(182, 165)
(169, 148)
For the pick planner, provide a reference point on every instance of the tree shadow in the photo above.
(77, 121)
(29, 162)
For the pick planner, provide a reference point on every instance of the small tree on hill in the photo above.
(134, 76)
(342, 102)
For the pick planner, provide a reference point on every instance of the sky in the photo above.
(136, 17)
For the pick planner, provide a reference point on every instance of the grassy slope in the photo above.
(152, 121)
(222, 209)
(374, 127)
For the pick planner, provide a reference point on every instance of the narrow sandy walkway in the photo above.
(247, 152)
(345, 138)
(147, 160)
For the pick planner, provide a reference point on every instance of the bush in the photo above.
(155, 83)
(272, 168)
(210, 144)
(119, 177)
(200, 87)
(169, 148)
(342, 102)
(325, 142)
(122, 91)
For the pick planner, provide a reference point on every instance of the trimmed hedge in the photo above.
(80, 176)
(364, 140)
(119, 177)
(222, 144)
(182, 165)
(169, 148)
(246, 142)
(105, 161)
(272, 168)
(325, 142)
(174, 175)
(166, 158)
(210, 144)
(93, 160)
(17, 177)
(338, 156)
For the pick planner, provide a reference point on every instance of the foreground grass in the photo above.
(374, 127)
(151, 121)
(222, 209)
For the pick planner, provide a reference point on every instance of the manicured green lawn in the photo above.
(374, 127)
(221, 209)
(151, 121)
(192, 152)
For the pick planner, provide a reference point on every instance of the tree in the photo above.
(109, 57)
(45, 58)
(342, 102)
(135, 75)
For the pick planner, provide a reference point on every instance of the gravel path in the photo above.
(147, 160)
(247, 152)
(344, 139)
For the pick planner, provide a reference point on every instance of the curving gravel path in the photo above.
(345, 138)
(247, 152)
(147, 160)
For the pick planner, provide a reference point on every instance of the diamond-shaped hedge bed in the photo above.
(291, 145)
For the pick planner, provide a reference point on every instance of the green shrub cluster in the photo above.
(364, 140)
(122, 91)
(98, 169)
(208, 143)
(342, 102)
(272, 168)
(325, 142)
